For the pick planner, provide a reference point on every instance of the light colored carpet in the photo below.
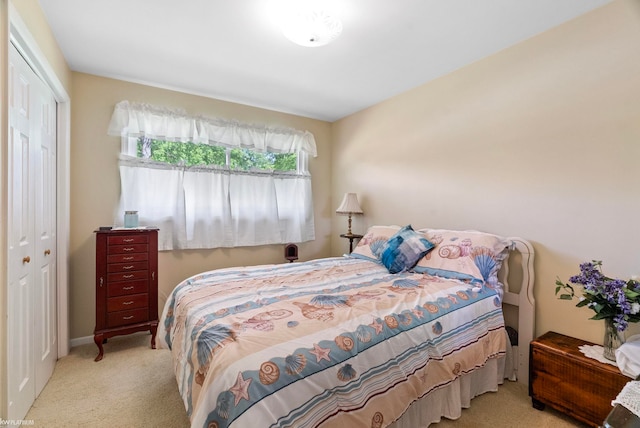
(134, 386)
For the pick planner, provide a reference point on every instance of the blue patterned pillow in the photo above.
(404, 249)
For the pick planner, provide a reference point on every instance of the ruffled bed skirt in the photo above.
(449, 400)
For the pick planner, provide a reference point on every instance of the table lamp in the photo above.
(349, 206)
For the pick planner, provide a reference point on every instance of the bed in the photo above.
(404, 330)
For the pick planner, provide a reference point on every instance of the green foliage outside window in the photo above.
(191, 154)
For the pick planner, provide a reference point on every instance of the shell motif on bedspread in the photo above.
(344, 342)
(436, 328)
(431, 307)
(455, 251)
(377, 420)
(328, 301)
(484, 259)
(294, 364)
(269, 373)
(404, 285)
(404, 318)
(461, 294)
(443, 302)
(363, 333)
(376, 245)
(211, 339)
(346, 373)
(314, 313)
(391, 321)
(223, 405)
(208, 342)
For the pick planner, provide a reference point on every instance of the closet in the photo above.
(32, 342)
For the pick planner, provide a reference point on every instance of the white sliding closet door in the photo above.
(31, 222)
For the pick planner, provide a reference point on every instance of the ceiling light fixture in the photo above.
(311, 28)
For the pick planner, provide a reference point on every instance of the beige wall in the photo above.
(95, 187)
(34, 19)
(541, 140)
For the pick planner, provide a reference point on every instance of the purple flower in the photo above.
(609, 297)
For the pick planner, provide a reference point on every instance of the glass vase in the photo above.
(612, 339)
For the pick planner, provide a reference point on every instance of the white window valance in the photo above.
(144, 120)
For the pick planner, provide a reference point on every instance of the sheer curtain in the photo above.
(210, 207)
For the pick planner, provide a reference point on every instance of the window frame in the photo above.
(129, 147)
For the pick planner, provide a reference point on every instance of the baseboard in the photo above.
(89, 339)
(81, 341)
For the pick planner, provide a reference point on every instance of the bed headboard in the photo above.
(517, 275)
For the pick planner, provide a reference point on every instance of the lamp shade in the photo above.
(349, 205)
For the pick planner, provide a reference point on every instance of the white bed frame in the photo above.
(522, 298)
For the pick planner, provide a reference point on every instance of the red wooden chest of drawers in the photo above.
(126, 284)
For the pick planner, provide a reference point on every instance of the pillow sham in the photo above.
(403, 250)
(468, 255)
(371, 245)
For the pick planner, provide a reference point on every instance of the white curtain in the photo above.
(210, 208)
(138, 120)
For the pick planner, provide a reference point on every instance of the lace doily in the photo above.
(629, 397)
(596, 352)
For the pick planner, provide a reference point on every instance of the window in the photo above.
(192, 154)
(208, 183)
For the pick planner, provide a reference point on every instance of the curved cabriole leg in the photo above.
(98, 339)
(154, 330)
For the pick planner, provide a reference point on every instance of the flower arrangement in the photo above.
(610, 298)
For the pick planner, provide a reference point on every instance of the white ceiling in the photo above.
(233, 50)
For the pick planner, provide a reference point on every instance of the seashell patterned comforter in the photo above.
(322, 343)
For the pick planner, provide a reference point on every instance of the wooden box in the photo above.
(562, 377)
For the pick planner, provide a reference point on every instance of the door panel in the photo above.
(21, 388)
(31, 220)
(45, 236)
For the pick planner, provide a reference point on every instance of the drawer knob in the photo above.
(26, 260)
(47, 252)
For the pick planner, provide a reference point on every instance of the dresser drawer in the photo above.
(127, 267)
(116, 319)
(127, 239)
(127, 276)
(122, 303)
(128, 287)
(127, 257)
(127, 249)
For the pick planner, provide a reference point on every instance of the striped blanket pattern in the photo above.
(324, 342)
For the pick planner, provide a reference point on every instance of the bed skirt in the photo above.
(449, 400)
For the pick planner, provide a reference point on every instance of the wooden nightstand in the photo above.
(350, 237)
(562, 377)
